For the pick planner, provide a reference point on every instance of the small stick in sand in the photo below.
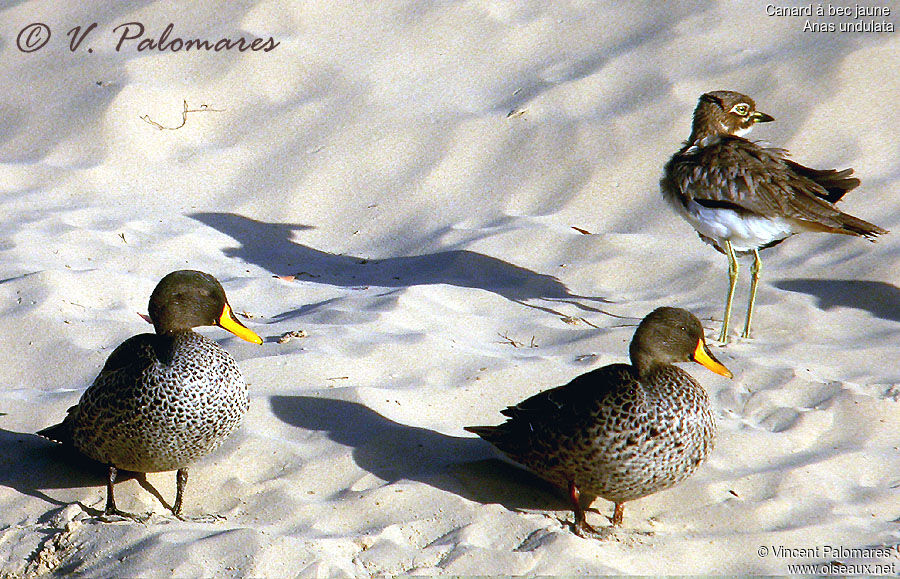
(184, 114)
(515, 344)
(510, 341)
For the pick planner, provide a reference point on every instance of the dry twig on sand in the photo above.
(184, 114)
(514, 343)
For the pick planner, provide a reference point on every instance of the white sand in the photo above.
(384, 134)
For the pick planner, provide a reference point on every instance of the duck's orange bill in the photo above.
(231, 323)
(704, 357)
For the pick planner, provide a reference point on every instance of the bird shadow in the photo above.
(879, 298)
(31, 464)
(392, 451)
(270, 246)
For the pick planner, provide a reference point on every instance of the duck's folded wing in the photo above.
(123, 368)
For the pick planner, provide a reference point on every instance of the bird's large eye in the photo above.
(741, 109)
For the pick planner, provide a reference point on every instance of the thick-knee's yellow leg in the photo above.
(754, 281)
(732, 281)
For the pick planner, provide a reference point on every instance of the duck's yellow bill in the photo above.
(704, 357)
(231, 323)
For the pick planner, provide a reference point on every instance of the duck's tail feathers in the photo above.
(62, 432)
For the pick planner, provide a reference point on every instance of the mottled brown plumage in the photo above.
(163, 400)
(741, 197)
(623, 431)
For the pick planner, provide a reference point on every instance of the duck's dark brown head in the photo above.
(669, 335)
(725, 113)
(187, 299)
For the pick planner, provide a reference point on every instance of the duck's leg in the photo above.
(110, 497)
(732, 281)
(618, 514)
(111, 509)
(754, 281)
(581, 525)
(181, 478)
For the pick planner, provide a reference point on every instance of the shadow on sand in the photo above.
(879, 298)
(32, 464)
(393, 451)
(269, 246)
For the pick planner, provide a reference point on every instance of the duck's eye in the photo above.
(741, 109)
